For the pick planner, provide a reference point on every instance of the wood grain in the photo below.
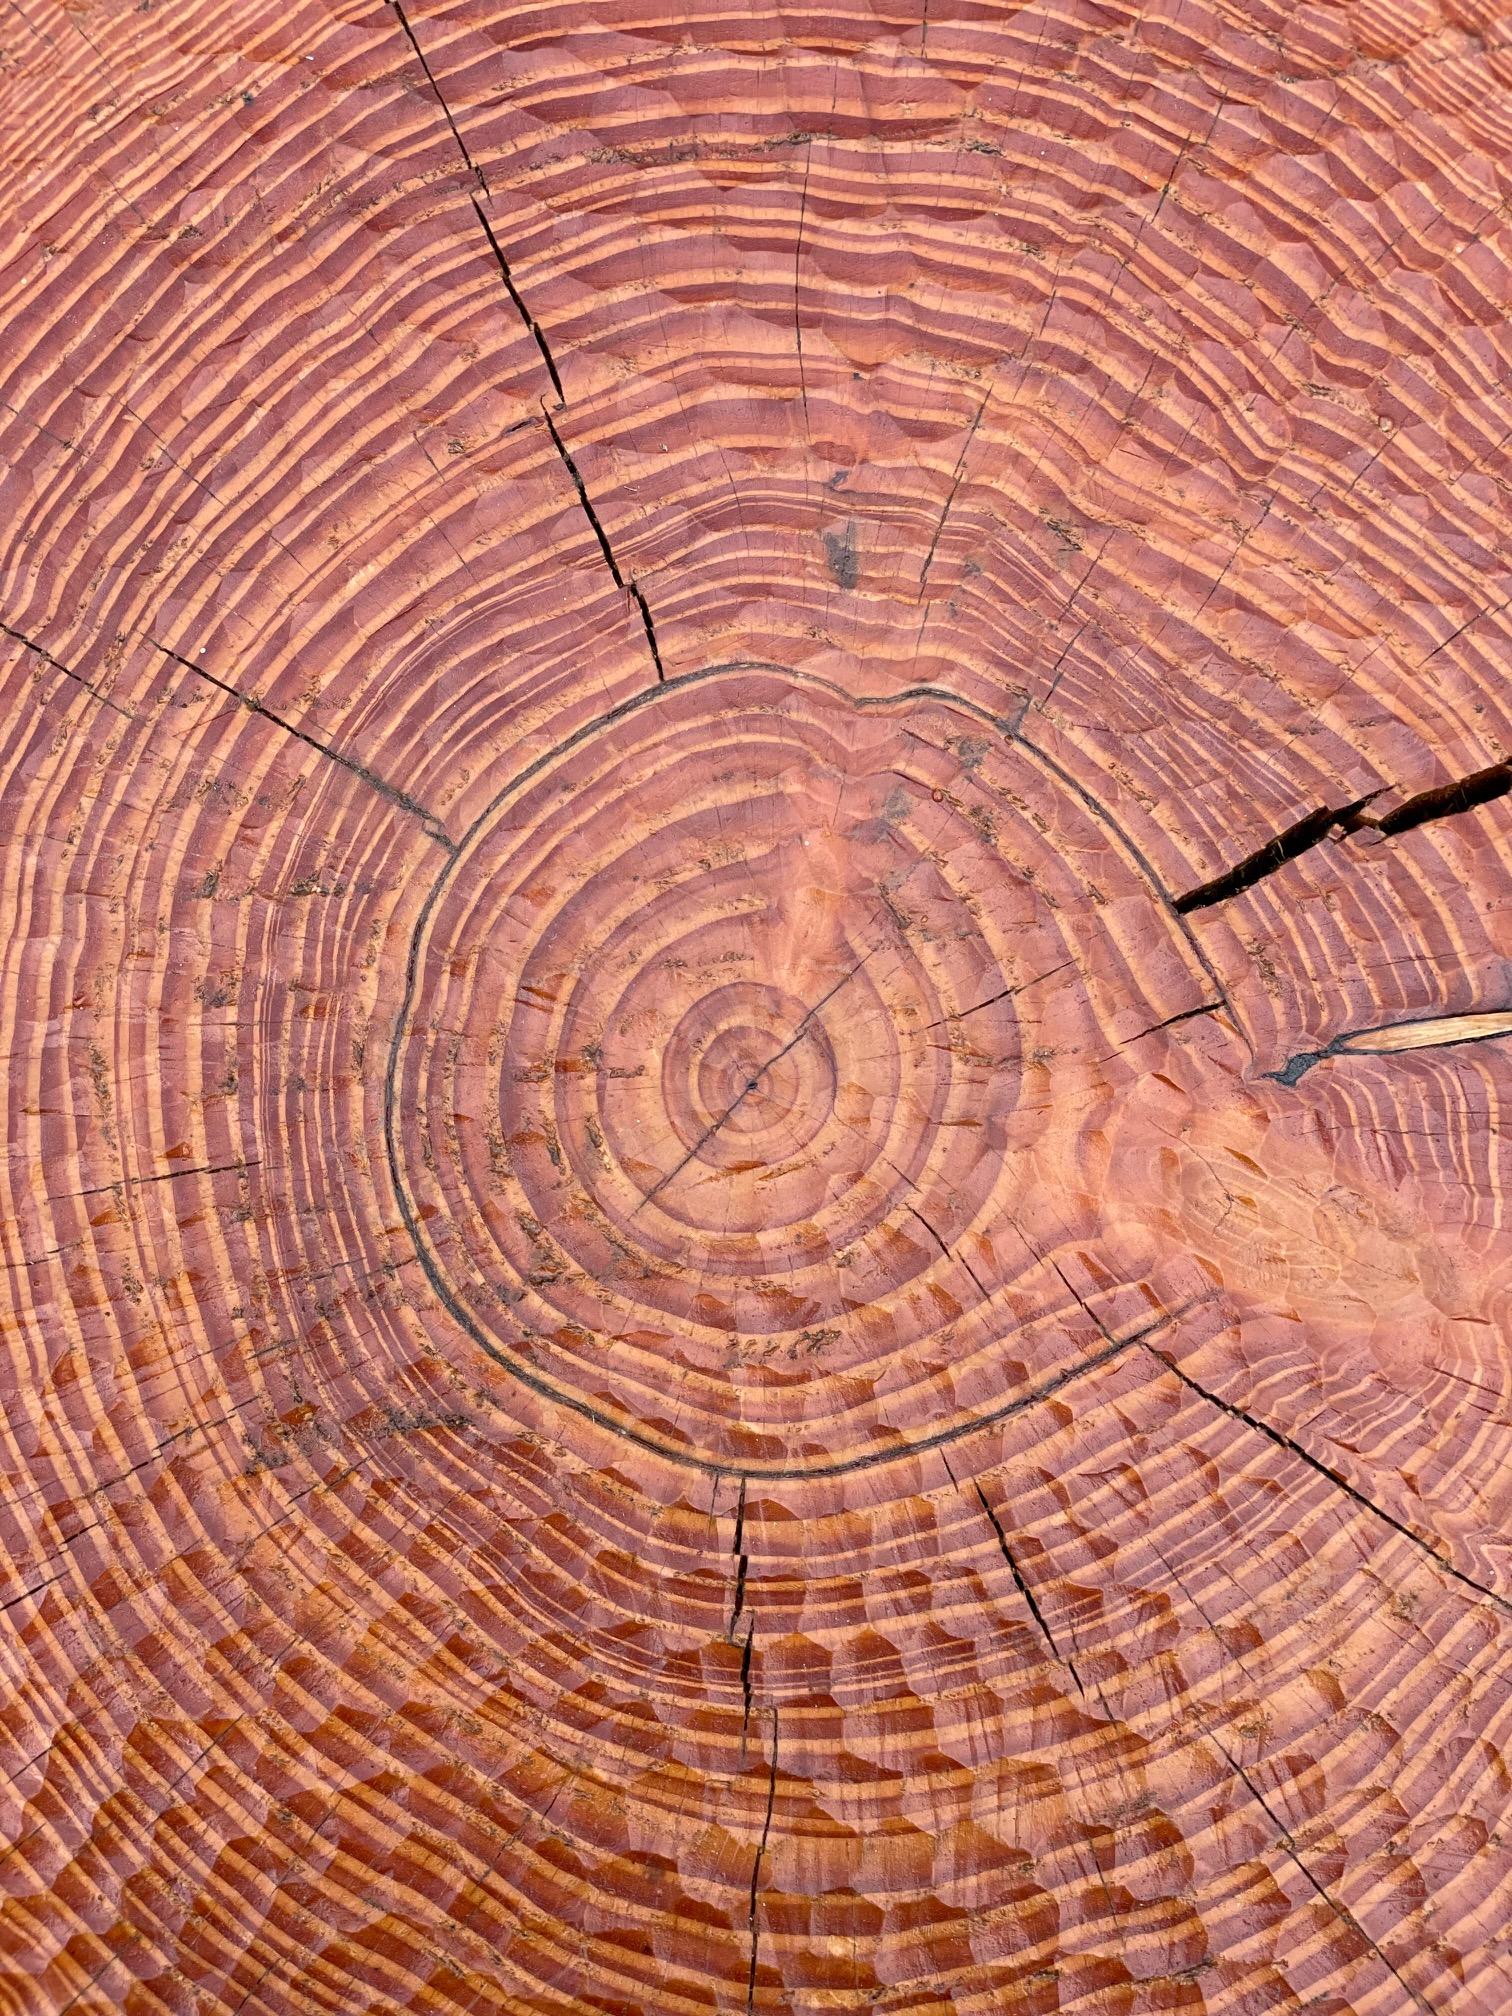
(757, 837)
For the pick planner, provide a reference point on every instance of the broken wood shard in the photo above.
(1433, 1032)
(757, 857)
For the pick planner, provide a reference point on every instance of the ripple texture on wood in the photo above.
(757, 983)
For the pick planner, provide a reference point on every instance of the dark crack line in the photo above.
(1304, 834)
(1202, 1611)
(385, 790)
(200, 483)
(1289, 1846)
(766, 1831)
(1057, 669)
(1026, 1592)
(638, 597)
(163, 1176)
(742, 1566)
(30, 644)
(750, 1086)
(1003, 994)
(153, 1455)
(1334, 1477)
(36, 1589)
(519, 301)
(1181, 156)
(808, 162)
(456, 130)
(1080, 1300)
(1170, 1022)
(1447, 801)
(630, 586)
(1066, 649)
(955, 485)
(1443, 801)
(746, 1685)
(1496, 610)
(958, 1258)
(571, 1774)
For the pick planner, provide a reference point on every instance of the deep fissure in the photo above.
(1443, 801)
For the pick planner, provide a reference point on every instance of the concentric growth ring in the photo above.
(722, 1105)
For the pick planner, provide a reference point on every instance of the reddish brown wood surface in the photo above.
(757, 983)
